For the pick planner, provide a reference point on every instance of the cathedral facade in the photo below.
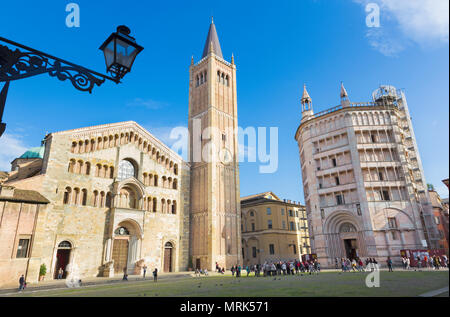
(113, 198)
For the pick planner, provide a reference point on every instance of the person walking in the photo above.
(389, 264)
(419, 263)
(145, 270)
(21, 283)
(60, 273)
(125, 275)
(155, 275)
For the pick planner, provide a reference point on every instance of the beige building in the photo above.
(273, 229)
(118, 198)
(363, 181)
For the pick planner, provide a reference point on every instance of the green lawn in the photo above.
(326, 284)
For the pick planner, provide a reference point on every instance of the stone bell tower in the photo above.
(213, 154)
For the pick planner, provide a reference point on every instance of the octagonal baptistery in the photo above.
(119, 200)
(364, 186)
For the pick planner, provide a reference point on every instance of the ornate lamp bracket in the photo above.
(27, 62)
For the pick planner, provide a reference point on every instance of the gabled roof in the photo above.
(214, 39)
(84, 132)
(266, 195)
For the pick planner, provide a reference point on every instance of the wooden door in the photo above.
(168, 260)
(120, 255)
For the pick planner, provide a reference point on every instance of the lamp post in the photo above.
(120, 50)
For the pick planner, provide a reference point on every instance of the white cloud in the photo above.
(404, 22)
(11, 146)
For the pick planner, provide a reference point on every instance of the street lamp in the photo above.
(120, 51)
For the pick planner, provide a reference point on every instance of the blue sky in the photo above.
(278, 46)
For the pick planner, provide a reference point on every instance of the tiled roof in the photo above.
(25, 196)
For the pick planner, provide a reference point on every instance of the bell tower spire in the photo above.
(214, 39)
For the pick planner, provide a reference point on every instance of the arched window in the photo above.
(174, 207)
(126, 170)
(87, 168)
(84, 197)
(163, 206)
(67, 196)
(175, 184)
(111, 172)
(227, 82)
(95, 199)
(98, 170)
(218, 76)
(102, 199)
(109, 200)
(76, 196)
(79, 167)
(155, 203)
(74, 147)
(72, 166)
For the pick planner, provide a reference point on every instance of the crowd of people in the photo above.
(430, 262)
(357, 264)
(278, 268)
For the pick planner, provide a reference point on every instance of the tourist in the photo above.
(60, 273)
(375, 264)
(354, 265)
(21, 283)
(144, 268)
(317, 266)
(389, 264)
(205, 272)
(283, 268)
(361, 266)
(408, 264)
(232, 271)
(419, 263)
(430, 262)
(291, 266)
(125, 275)
(445, 260)
(404, 262)
(155, 275)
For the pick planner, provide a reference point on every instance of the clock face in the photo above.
(225, 156)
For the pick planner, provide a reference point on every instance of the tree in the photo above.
(430, 187)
